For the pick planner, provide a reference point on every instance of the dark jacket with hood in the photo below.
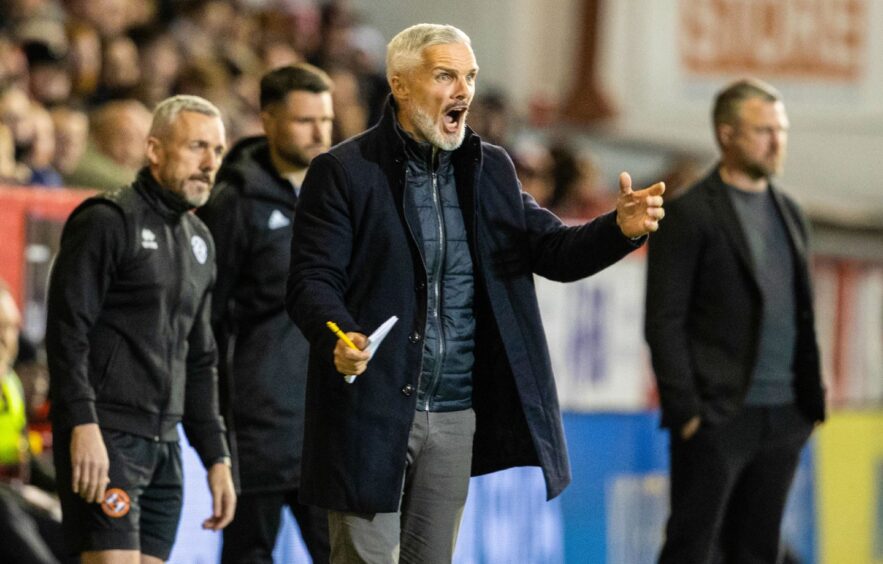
(356, 260)
(127, 335)
(264, 366)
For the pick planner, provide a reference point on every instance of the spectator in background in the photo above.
(577, 191)
(110, 18)
(730, 324)
(368, 47)
(22, 524)
(34, 376)
(275, 54)
(160, 62)
(250, 214)
(41, 155)
(85, 60)
(120, 70)
(71, 140)
(350, 113)
(13, 64)
(50, 79)
(11, 172)
(490, 117)
(533, 165)
(13, 441)
(15, 113)
(118, 132)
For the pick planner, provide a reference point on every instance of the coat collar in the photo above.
(163, 200)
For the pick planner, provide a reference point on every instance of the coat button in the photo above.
(414, 337)
(421, 285)
(407, 390)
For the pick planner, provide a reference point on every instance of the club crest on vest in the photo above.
(200, 249)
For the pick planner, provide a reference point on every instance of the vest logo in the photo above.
(200, 249)
(116, 503)
(278, 220)
(148, 239)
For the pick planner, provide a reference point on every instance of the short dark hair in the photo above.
(728, 100)
(278, 83)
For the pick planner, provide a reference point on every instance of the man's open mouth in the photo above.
(454, 118)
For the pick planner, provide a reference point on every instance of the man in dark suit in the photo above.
(729, 321)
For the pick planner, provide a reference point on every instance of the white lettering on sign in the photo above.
(808, 38)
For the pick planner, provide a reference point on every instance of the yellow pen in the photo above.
(341, 335)
(349, 378)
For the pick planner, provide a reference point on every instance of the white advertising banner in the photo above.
(595, 329)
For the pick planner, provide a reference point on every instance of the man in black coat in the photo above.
(130, 348)
(418, 218)
(729, 321)
(264, 375)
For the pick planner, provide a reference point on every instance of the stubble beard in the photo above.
(193, 194)
(764, 168)
(298, 158)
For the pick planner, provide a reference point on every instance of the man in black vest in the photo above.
(729, 321)
(131, 352)
(263, 380)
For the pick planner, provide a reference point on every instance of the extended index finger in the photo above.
(656, 190)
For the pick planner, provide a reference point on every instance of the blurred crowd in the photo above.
(79, 78)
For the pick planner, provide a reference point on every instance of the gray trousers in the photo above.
(436, 482)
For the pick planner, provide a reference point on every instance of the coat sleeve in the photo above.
(93, 246)
(202, 421)
(321, 246)
(672, 263)
(564, 253)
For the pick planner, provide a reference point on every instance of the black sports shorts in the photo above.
(142, 502)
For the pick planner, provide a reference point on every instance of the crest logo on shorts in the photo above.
(116, 503)
(200, 249)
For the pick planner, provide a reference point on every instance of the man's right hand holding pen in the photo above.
(349, 360)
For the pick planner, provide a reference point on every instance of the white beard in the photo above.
(427, 127)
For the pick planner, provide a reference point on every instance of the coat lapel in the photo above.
(729, 222)
(791, 226)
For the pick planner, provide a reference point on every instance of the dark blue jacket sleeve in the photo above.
(321, 245)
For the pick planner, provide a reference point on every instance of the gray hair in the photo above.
(167, 111)
(405, 50)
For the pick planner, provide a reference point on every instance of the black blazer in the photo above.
(704, 308)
